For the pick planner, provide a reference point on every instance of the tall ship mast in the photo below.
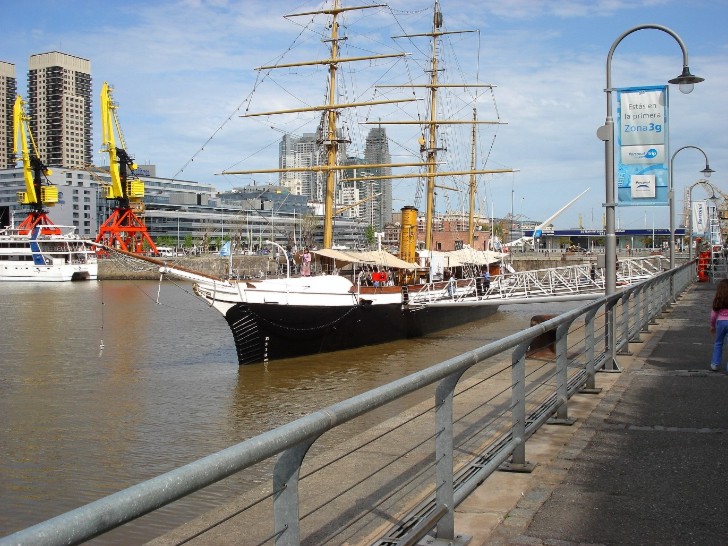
(430, 145)
(332, 137)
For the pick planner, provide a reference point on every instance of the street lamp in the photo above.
(606, 133)
(707, 171)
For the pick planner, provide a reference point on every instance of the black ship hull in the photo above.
(265, 332)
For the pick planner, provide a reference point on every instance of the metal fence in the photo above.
(403, 475)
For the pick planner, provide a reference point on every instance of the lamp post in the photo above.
(712, 196)
(707, 171)
(606, 133)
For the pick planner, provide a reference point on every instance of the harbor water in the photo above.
(106, 384)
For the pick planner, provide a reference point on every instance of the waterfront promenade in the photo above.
(645, 463)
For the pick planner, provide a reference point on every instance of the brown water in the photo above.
(101, 387)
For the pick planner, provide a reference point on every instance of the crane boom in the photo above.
(37, 194)
(123, 187)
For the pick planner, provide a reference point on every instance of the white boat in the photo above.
(46, 253)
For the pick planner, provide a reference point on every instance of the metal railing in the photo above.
(403, 470)
(567, 282)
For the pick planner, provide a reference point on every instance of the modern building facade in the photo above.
(304, 151)
(377, 210)
(8, 92)
(59, 105)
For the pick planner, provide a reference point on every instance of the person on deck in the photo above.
(486, 279)
(306, 263)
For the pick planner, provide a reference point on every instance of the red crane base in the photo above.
(125, 230)
(38, 219)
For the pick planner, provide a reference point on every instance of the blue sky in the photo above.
(184, 71)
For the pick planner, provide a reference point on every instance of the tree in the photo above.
(369, 234)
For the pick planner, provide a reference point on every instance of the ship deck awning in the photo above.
(471, 256)
(463, 257)
(379, 258)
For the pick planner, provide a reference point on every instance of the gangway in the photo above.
(568, 283)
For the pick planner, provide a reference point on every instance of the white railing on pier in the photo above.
(576, 282)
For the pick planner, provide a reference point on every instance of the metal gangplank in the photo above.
(568, 283)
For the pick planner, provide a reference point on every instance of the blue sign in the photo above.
(642, 146)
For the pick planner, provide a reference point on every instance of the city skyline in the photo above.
(190, 66)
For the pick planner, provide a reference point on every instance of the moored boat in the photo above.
(278, 318)
(46, 253)
(424, 291)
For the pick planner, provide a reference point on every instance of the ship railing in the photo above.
(454, 290)
(575, 280)
(401, 474)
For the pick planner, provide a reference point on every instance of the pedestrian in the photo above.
(486, 279)
(306, 263)
(719, 324)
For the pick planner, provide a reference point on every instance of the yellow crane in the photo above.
(39, 192)
(123, 228)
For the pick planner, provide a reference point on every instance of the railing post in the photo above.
(624, 346)
(645, 309)
(285, 496)
(590, 385)
(518, 461)
(444, 490)
(653, 304)
(562, 377)
(611, 364)
(638, 296)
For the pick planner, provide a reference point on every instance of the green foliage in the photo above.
(369, 234)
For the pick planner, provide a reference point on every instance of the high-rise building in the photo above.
(376, 152)
(8, 91)
(303, 151)
(59, 105)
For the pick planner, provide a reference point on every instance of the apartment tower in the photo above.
(59, 105)
(376, 152)
(8, 91)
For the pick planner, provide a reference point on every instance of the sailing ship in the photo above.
(291, 316)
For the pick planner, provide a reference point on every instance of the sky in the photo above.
(184, 72)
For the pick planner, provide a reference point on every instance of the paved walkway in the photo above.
(646, 462)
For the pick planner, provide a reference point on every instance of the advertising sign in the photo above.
(642, 144)
(700, 217)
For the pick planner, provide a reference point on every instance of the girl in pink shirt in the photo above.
(719, 324)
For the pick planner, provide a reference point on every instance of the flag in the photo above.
(225, 250)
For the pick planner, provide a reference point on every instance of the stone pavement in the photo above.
(645, 463)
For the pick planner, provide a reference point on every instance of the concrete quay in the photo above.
(645, 463)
